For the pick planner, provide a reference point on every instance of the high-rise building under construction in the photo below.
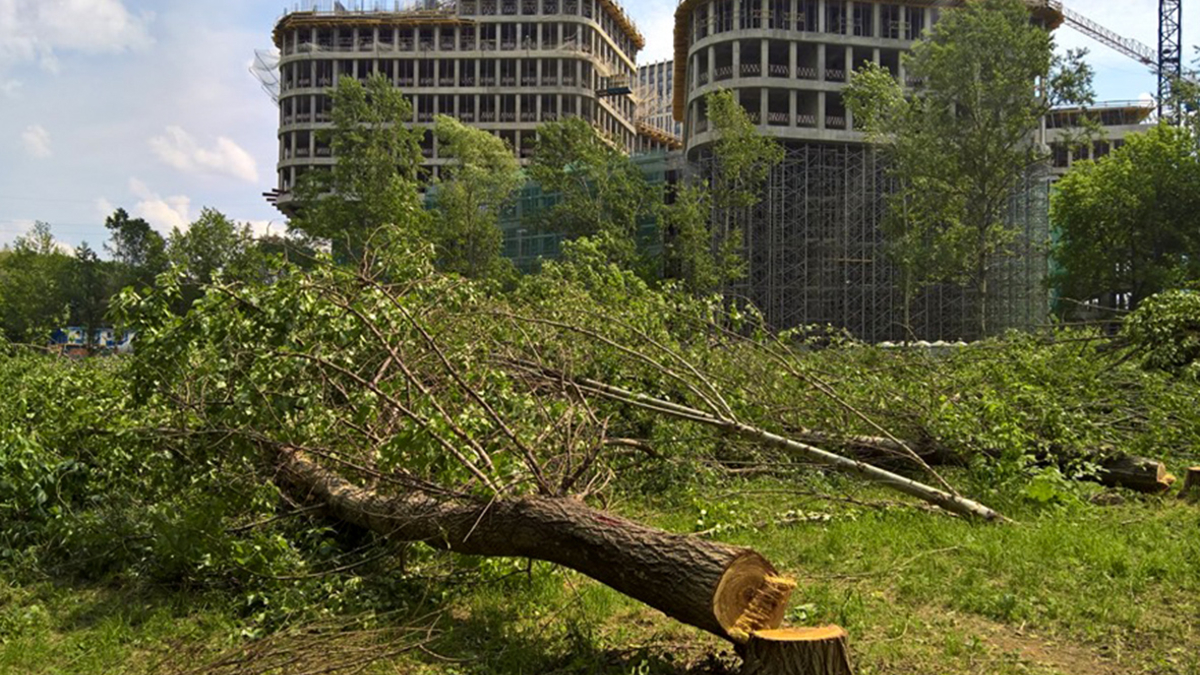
(504, 66)
(815, 248)
(814, 245)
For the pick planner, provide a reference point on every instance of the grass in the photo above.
(1070, 589)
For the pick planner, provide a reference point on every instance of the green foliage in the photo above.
(743, 156)
(1165, 331)
(212, 245)
(35, 287)
(372, 184)
(702, 242)
(475, 186)
(600, 190)
(140, 253)
(963, 142)
(1128, 223)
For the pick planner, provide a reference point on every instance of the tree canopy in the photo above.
(1129, 224)
(372, 182)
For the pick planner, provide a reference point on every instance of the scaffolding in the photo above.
(816, 254)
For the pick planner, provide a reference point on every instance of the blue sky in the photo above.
(150, 106)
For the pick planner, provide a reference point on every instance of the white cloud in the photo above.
(104, 208)
(10, 88)
(179, 149)
(163, 213)
(36, 140)
(33, 30)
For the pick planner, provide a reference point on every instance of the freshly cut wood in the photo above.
(798, 651)
(1191, 484)
(726, 590)
(1135, 473)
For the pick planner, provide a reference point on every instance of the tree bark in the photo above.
(1135, 473)
(798, 651)
(1191, 484)
(726, 590)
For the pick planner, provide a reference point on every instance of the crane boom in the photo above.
(1135, 50)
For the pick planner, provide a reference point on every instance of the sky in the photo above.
(151, 106)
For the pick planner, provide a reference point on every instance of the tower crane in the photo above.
(1166, 61)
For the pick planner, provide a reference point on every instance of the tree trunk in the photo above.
(1126, 471)
(798, 651)
(1135, 473)
(1191, 484)
(726, 590)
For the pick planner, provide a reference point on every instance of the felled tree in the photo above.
(411, 404)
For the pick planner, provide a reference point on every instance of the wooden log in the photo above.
(1191, 484)
(797, 651)
(729, 591)
(1135, 473)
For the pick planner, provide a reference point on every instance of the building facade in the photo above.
(653, 94)
(505, 66)
(1115, 121)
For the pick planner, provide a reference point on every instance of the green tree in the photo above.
(1129, 224)
(475, 186)
(602, 193)
(34, 284)
(89, 290)
(211, 245)
(139, 252)
(704, 260)
(961, 144)
(373, 182)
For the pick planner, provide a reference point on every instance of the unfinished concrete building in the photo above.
(814, 245)
(1114, 120)
(504, 66)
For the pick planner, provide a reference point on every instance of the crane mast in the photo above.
(1170, 52)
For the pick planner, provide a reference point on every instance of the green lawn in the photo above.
(1075, 589)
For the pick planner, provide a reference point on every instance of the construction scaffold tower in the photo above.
(817, 254)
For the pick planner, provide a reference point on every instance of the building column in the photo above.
(712, 64)
(821, 61)
(792, 47)
(764, 107)
(821, 20)
(792, 109)
(876, 28)
(849, 62)
(821, 110)
(737, 58)
(764, 58)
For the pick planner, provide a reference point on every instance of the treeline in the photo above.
(45, 286)
(378, 184)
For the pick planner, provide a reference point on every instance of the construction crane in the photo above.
(1166, 61)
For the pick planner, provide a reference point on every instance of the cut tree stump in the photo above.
(1191, 484)
(798, 651)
